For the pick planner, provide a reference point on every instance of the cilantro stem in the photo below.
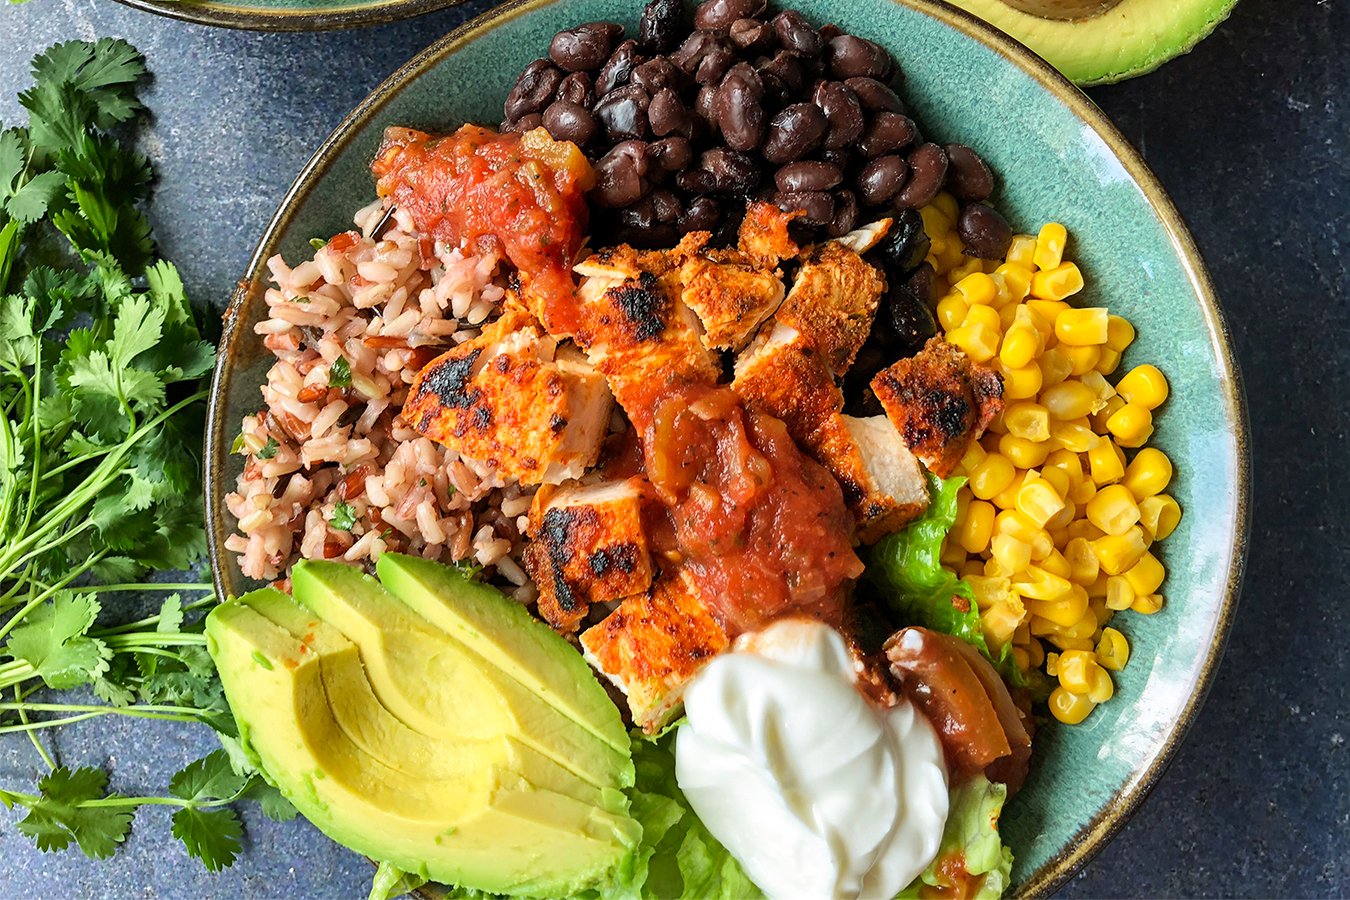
(37, 601)
(154, 639)
(196, 716)
(148, 587)
(32, 735)
(96, 707)
(148, 621)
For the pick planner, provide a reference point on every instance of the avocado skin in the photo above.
(455, 809)
(1132, 39)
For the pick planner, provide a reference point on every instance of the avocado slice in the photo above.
(459, 809)
(403, 652)
(507, 636)
(1104, 41)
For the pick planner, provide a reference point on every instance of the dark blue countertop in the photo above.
(1250, 134)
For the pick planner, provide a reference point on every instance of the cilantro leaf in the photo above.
(269, 449)
(53, 640)
(340, 373)
(29, 203)
(58, 817)
(344, 517)
(211, 835)
(209, 778)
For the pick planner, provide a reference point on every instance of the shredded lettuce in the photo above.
(906, 567)
(972, 833)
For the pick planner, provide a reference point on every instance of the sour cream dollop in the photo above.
(815, 790)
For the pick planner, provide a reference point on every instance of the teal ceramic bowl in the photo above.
(1058, 158)
(290, 15)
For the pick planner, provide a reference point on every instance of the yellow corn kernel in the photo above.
(1081, 327)
(1100, 387)
(1016, 281)
(971, 568)
(1098, 587)
(1064, 280)
(1102, 688)
(1007, 498)
(1023, 633)
(966, 266)
(997, 426)
(1118, 552)
(1075, 670)
(1022, 659)
(1007, 313)
(1012, 554)
(1119, 333)
(1035, 585)
(993, 569)
(1108, 361)
(1021, 343)
(1044, 312)
(1036, 652)
(1099, 610)
(974, 455)
(946, 204)
(1132, 425)
(935, 222)
(1074, 436)
(1000, 620)
(951, 311)
(991, 476)
(1057, 478)
(1068, 400)
(1051, 663)
(1050, 245)
(983, 315)
(1056, 564)
(1159, 515)
(1055, 366)
(1145, 386)
(1022, 251)
(1068, 707)
(1103, 415)
(1068, 462)
(1147, 604)
(1082, 359)
(1021, 383)
(1026, 420)
(1119, 593)
(1086, 627)
(1060, 520)
(1065, 641)
(1014, 524)
(1113, 651)
(978, 527)
(1082, 528)
(1104, 464)
(1083, 565)
(953, 555)
(1113, 510)
(1038, 501)
(1023, 453)
(1148, 473)
(977, 288)
(1082, 491)
(980, 342)
(1147, 575)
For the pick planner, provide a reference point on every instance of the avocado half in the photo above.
(428, 748)
(1099, 41)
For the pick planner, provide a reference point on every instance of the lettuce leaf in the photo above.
(972, 833)
(677, 857)
(906, 567)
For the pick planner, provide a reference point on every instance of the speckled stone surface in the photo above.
(1250, 135)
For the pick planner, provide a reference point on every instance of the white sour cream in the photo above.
(816, 791)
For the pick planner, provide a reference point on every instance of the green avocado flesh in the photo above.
(1131, 38)
(402, 743)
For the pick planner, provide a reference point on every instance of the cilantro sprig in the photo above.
(101, 385)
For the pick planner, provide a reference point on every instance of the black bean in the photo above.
(568, 121)
(717, 15)
(843, 112)
(533, 90)
(696, 181)
(667, 206)
(984, 231)
(690, 53)
(667, 114)
(751, 35)
(853, 57)
(817, 207)
(887, 133)
(967, 175)
(659, 28)
(777, 93)
(808, 175)
(909, 318)
(705, 105)
(740, 115)
(735, 173)
(927, 171)
(906, 244)
(882, 178)
(701, 214)
(640, 216)
(619, 69)
(714, 65)
(845, 214)
(527, 123)
(579, 88)
(620, 176)
(795, 33)
(843, 158)
(674, 154)
(787, 66)
(923, 282)
(585, 46)
(655, 74)
(623, 112)
(794, 132)
(875, 96)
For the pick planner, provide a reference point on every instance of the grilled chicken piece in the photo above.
(731, 299)
(782, 374)
(637, 331)
(833, 302)
(588, 547)
(940, 402)
(510, 398)
(860, 240)
(883, 484)
(763, 239)
(653, 645)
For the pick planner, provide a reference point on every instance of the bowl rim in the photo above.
(1097, 832)
(249, 18)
